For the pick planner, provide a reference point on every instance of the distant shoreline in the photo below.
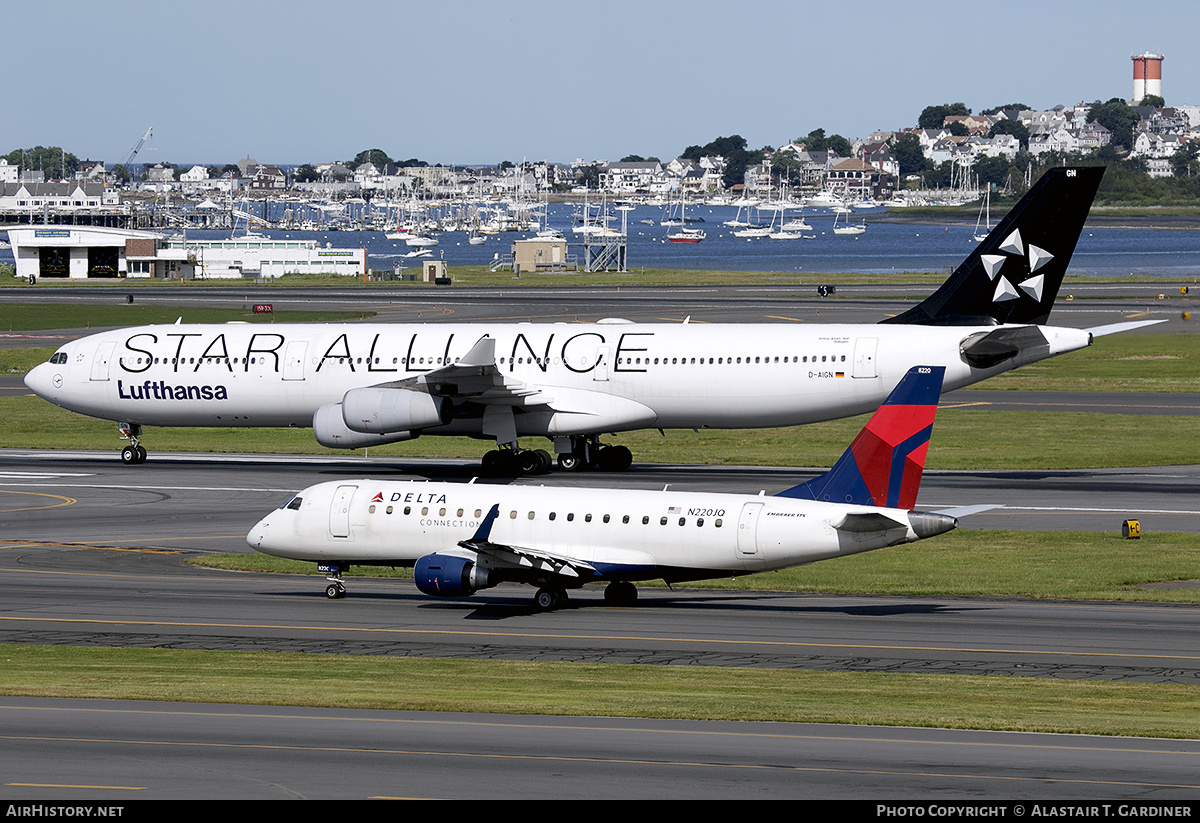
(1183, 222)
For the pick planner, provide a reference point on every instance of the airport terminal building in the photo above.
(94, 252)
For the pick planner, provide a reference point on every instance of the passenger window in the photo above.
(662, 522)
(587, 518)
(372, 509)
(625, 519)
(717, 523)
(645, 520)
(570, 516)
(553, 515)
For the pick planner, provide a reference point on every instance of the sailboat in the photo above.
(845, 228)
(986, 208)
(684, 234)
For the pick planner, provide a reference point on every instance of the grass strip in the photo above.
(607, 690)
(970, 438)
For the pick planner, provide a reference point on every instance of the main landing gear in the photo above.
(616, 593)
(132, 454)
(583, 454)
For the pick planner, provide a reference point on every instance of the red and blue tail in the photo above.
(883, 465)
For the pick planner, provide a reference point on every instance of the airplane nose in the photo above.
(43, 380)
(259, 535)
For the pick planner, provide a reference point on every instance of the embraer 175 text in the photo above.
(365, 384)
(460, 538)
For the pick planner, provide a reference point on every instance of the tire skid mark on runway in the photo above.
(38, 544)
(63, 501)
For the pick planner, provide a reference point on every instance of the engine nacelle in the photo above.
(331, 431)
(378, 411)
(447, 575)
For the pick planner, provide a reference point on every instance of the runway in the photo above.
(81, 532)
(130, 751)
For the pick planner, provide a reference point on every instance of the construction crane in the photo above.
(128, 164)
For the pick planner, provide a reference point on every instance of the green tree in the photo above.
(53, 161)
(1017, 106)
(1152, 100)
(376, 157)
(1118, 117)
(1184, 163)
(1014, 127)
(306, 174)
(633, 158)
(932, 117)
(907, 149)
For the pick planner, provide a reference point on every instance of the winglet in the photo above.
(883, 465)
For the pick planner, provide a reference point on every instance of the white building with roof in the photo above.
(91, 252)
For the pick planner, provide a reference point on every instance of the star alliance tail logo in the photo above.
(1016, 249)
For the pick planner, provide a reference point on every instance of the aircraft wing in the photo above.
(477, 378)
(532, 559)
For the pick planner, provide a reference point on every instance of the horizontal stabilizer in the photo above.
(967, 511)
(1117, 328)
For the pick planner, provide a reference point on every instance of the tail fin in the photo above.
(1014, 274)
(883, 465)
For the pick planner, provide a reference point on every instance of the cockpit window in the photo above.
(293, 504)
(58, 357)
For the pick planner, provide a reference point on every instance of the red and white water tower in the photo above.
(1147, 75)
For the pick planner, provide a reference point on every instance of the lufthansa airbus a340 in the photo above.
(365, 384)
(460, 538)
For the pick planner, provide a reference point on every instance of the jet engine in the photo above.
(331, 431)
(380, 410)
(447, 575)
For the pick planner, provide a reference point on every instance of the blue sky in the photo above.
(467, 81)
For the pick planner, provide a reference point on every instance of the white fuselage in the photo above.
(633, 535)
(583, 378)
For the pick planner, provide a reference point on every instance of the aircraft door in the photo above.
(103, 356)
(747, 536)
(600, 373)
(339, 511)
(864, 357)
(293, 360)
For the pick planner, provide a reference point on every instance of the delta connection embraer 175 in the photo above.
(460, 538)
(365, 384)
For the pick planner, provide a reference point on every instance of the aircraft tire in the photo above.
(615, 459)
(620, 593)
(129, 456)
